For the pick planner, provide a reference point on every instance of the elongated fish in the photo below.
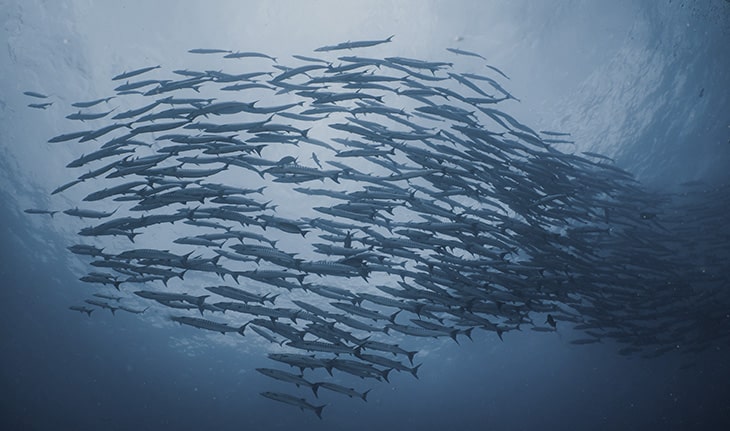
(355, 44)
(136, 72)
(294, 401)
(467, 53)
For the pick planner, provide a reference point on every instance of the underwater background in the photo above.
(642, 82)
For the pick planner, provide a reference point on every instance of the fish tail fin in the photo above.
(411, 355)
(359, 345)
(235, 276)
(364, 274)
(453, 334)
(392, 316)
(89, 312)
(200, 300)
(315, 388)
(318, 410)
(364, 395)
(242, 329)
(386, 373)
(390, 38)
(414, 370)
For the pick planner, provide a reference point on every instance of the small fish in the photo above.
(498, 71)
(35, 211)
(316, 160)
(81, 309)
(356, 44)
(132, 310)
(34, 94)
(294, 401)
(208, 51)
(91, 103)
(40, 105)
(467, 53)
(248, 55)
(132, 73)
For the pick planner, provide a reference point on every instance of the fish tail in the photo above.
(318, 410)
(364, 395)
(414, 370)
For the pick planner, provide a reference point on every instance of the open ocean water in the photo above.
(644, 83)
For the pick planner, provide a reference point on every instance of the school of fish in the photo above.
(342, 206)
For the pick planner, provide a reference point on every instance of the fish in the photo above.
(350, 392)
(40, 211)
(87, 250)
(133, 310)
(40, 105)
(101, 304)
(466, 53)
(81, 309)
(353, 45)
(87, 213)
(428, 212)
(69, 136)
(171, 296)
(208, 51)
(35, 94)
(300, 361)
(239, 54)
(284, 376)
(132, 73)
(208, 324)
(91, 102)
(109, 297)
(294, 401)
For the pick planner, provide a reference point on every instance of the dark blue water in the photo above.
(648, 87)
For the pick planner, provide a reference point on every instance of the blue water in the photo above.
(643, 82)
